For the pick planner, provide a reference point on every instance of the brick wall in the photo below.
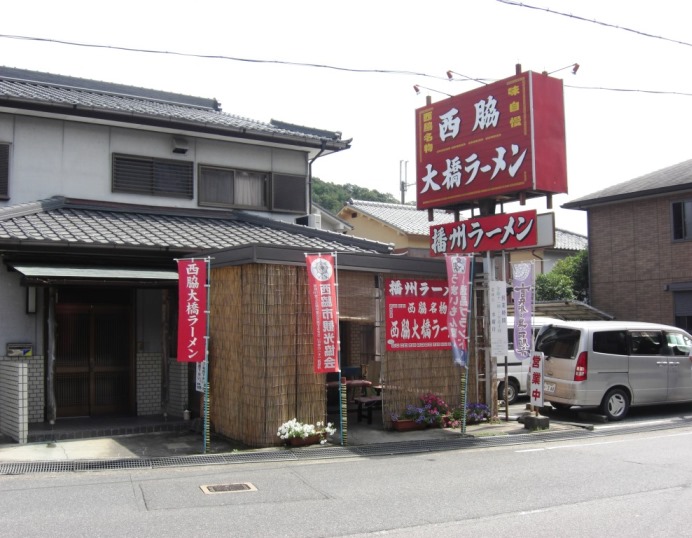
(633, 258)
(14, 399)
(36, 386)
(149, 385)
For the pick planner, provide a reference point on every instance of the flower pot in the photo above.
(304, 441)
(407, 425)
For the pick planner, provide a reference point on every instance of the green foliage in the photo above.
(568, 279)
(332, 197)
(553, 286)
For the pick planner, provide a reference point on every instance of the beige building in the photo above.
(408, 230)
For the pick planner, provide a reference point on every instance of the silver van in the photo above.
(517, 370)
(613, 365)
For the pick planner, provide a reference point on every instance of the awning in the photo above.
(37, 274)
(567, 310)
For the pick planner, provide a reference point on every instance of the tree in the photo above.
(568, 279)
(332, 197)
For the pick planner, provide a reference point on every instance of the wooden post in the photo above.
(165, 371)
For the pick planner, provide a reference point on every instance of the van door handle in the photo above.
(674, 363)
(662, 363)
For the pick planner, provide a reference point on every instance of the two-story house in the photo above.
(640, 253)
(103, 187)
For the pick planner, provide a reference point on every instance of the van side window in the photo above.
(646, 342)
(611, 342)
(679, 344)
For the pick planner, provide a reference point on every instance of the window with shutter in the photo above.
(153, 177)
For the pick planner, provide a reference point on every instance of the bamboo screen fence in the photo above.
(261, 353)
(261, 362)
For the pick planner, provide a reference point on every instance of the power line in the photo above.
(594, 21)
(318, 66)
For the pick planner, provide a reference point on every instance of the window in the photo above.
(227, 187)
(153, 177)
(682, 220)
(4, 171)
(646, 342)
(289, 193)
(611, 342)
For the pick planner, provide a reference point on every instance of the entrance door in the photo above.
(92, 360)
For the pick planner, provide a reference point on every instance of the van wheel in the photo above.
(616, 404)
(512, 392)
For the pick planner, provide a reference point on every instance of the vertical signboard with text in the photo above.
(192, 314)
(325, 315)
(459, 277)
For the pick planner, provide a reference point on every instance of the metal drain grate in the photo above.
(380, 449)
(228, 488)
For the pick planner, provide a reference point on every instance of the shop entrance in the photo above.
(93, 358)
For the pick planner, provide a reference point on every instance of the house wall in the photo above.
(57, 157)
(633, 258)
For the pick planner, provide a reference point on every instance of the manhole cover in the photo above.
(228, 488)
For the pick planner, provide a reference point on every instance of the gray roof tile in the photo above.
(673, 178)
(405, 218)
(22, 86)
(82, 224)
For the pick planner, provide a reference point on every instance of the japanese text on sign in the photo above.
(496, 232)
(325, 317)
(484, 142)
(523, 282)
(459, 270)
(192, 304)
(416, 314)
(536, 379)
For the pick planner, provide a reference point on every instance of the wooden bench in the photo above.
(367, 403)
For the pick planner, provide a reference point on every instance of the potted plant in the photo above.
(428, 412)
(476, 413)
(297, 433)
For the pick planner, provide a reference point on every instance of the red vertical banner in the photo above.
(325, 315)
(192, 310)
(459, 281)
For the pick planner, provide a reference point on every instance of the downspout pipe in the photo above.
(324, 143)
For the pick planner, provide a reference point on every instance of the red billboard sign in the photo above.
(192, 310)
(416, 314)
(496, 232)
(504, 138)
(325, 315)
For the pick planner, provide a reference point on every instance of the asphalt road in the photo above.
(625, 485)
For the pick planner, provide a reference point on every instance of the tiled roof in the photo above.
(405, 218)
(84, 97)
(59, 221)
(565, 240)
(674, 178)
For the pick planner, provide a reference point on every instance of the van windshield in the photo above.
(558, 342)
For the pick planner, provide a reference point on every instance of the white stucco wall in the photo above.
(56, 157)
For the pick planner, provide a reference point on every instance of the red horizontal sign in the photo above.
(496, 232)
(504, 138)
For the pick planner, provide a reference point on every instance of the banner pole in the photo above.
(206, 433)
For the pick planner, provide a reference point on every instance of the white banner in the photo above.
(536, 379)
(497, 299)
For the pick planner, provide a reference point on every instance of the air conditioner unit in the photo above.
(315, 221)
